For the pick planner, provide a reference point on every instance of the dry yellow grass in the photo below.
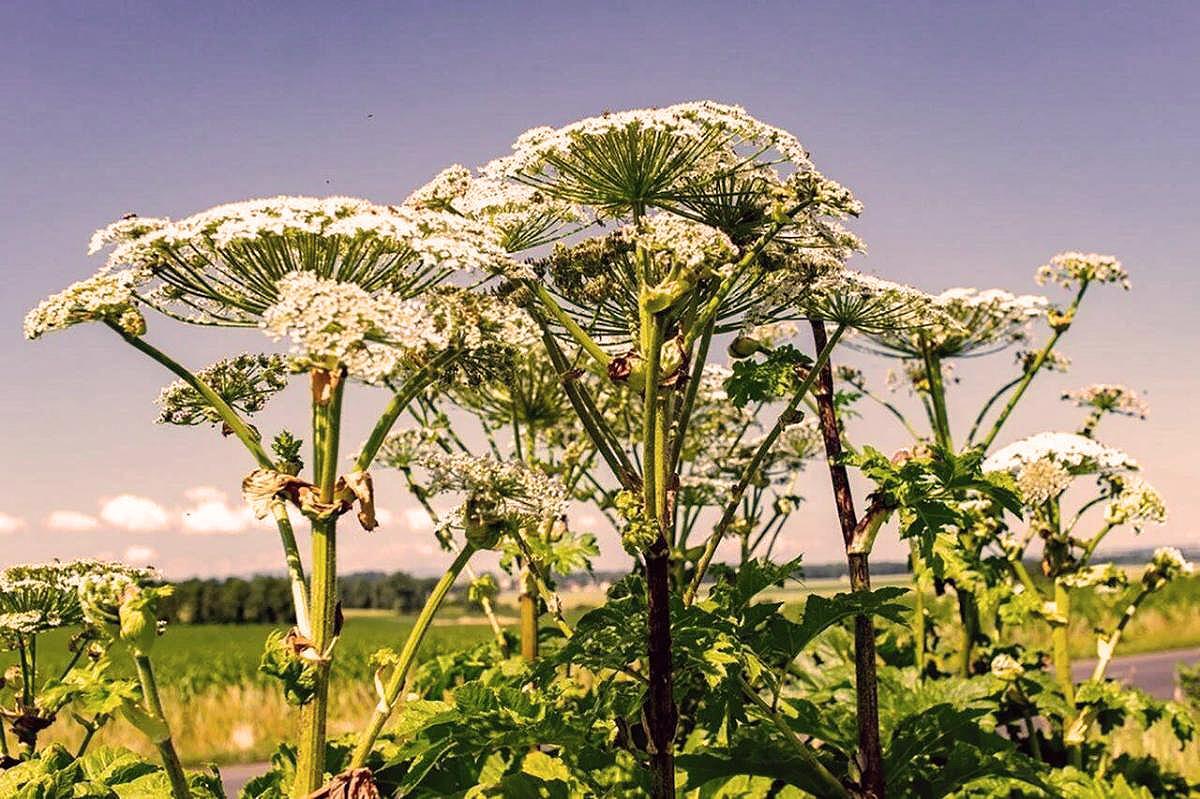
(230, 724)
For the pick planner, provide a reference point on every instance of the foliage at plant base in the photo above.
(544, 334)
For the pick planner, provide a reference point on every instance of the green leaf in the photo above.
(778, 375)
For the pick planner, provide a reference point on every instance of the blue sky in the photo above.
(982, 137)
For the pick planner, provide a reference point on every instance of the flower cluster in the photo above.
(1105, 578)
(1075, 453)
(523, 216)
(1070, 268)
(1053, 361)
(1045, 464)
(501, 496)
(105, 296)
(682, 252)
(332, 323)
(222, 266)
(246, 382)
(977, 322)
(870, 304)
(36, 598)
(1166, 564)
(1109, 398)
(707, 126)
(1134, 502)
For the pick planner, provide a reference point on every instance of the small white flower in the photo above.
(1007, 668)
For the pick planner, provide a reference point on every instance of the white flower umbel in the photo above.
(982, 321)
(523, 216)
(40, 597)
(646, 156)
(1069, 269)
(221, 266)
(1044, 464)
(1136, 502)
(1167, 564)
(1109, 398)
(870, 304)
(105, 296)
(1075, 453)
(499, 494)
(331, 323)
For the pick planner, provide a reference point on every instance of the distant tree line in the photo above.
(265, 599)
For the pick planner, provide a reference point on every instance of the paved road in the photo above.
(235, 777)
(1153, 673)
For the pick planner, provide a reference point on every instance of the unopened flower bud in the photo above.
(744, 346)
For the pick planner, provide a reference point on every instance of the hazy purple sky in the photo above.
(982, 137)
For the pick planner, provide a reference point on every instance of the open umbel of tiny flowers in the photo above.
(980, 322)
(1045, 464)
(1110, 398)
(1070, 269)
(246, 382)
(223, 266)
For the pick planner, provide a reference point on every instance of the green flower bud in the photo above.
(744, 347)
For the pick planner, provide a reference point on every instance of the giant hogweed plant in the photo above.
(363, 293)
(984, 554)
(623, 250)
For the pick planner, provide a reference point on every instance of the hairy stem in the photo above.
(866, 679)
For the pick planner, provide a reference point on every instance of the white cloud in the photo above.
(139, 555)
(135, 514)
(70, 521)
(211, 514)
(10, 524)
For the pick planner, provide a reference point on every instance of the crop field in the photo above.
(225, 710)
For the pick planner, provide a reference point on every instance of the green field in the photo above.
(224, 710)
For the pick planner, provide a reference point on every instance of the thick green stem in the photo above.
(937, 395)
(918, 615)
(786, 418)
(407, 656)
(1060, 637)
(327, 389)
(166, 748)
(528, 604)
(823, 775)
(968, 626)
